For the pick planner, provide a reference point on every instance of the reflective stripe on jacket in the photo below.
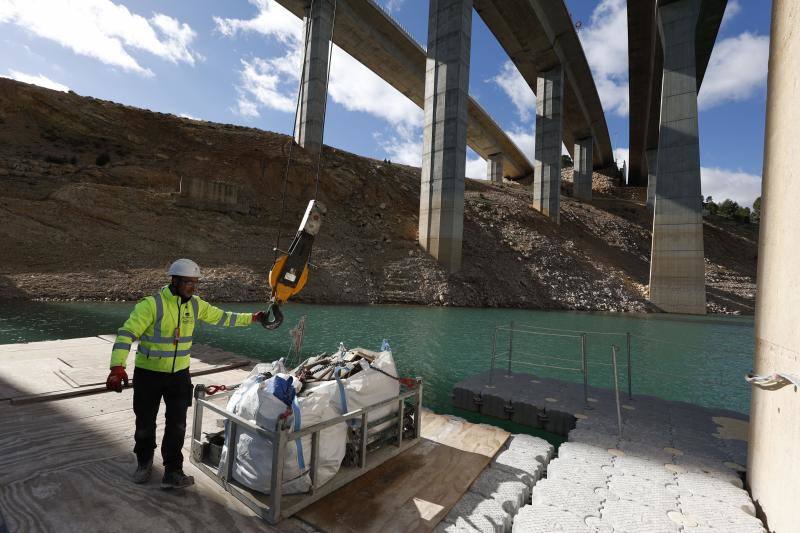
(159, 321)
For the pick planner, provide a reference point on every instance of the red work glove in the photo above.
(257, 317)
(116, 378)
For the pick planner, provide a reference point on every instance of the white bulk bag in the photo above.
(253, 459)
(369, 387)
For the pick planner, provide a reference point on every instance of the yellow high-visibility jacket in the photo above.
(165, 327)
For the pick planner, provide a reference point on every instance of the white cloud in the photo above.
(525, 139)
(403, 146)
(392, 6)
(187, 115)
(621, 155)
(103, 30)
(246, 107)
(731, 10)
(517, 89)
(261, 85)
(272, 82)
(736, 71)
(605, 42)
(39, 79)
(272, 20)
(739, 186)
(357, 88)
(476, 168)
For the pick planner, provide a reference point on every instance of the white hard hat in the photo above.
(185, 268)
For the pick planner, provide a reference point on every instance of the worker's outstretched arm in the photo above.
(216, 316)
(141, 317)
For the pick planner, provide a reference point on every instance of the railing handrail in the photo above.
(693, 372)
(543, 356)
(573, 330)
(505, 328)
(675, 343)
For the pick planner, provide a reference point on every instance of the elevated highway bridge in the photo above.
(541, 40)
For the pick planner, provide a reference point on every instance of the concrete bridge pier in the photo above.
(444, 143)
(494, 168)
(311, 113)
(582, 177)
(652, 166)
(773, 468)
(549, 129)
(677, 268)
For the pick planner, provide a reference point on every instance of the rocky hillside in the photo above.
(88, 193)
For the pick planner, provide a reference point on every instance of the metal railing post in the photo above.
(231, 437)
(614, 349)
(418, 410)
(276, 483)
(494, 356)
(630, 386)
(197, 423)
(585, 368)
(362, 462)
(510, 344)
(314, 459)
(401, 416)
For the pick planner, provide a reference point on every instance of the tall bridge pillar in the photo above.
(311, 112)
(773, 469)
(652, 172)
(582, 176)
(444, 143)
(494, 168)
(549, 128)
(677, 269)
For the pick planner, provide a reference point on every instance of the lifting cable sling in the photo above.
(289, 272)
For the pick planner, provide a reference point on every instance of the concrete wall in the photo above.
(677, 266)
(773, 469)
(212, 195)
(444, 140)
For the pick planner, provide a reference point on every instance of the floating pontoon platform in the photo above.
(67, 457)
(636, 463)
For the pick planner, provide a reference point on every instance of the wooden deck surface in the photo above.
(52, 369)
(67, 460)
(415, 490)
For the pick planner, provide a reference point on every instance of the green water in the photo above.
(698, 360)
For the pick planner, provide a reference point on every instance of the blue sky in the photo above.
(237, 62)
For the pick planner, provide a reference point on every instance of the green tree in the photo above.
(755, 215)
(711, 206)
(566, 161)
(728, 208)
(742, 214)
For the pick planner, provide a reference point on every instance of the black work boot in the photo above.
(143, 471)
(176, 479)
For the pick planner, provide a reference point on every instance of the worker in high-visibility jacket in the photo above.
(164, 324)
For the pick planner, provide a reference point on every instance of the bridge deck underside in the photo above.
(539, 35)
(366, 33)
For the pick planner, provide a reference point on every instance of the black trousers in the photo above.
(148, 388)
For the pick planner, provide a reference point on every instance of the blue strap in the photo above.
(296, 410)
(342, 395)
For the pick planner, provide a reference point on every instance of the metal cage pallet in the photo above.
(276, 506)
